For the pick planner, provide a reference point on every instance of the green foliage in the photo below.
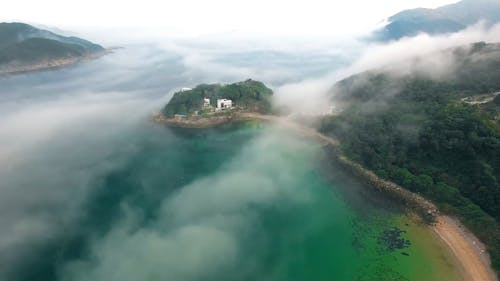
(249, 95)
(416, 132)
(22, 43)
(446, 19)
(36, 49)
(496, 100)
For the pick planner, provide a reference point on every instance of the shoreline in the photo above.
(53, 64)
(204, 122)
(468, 251)
(470, 254)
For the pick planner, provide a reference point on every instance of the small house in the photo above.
(224, 104)
(206, 102)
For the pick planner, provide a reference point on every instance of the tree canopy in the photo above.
(416, 131)
(249, 95)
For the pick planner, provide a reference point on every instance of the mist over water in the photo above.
(92, 190)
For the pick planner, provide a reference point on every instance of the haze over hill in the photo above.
(24, 47)
(414, 123)
(90, 188)
(446, 19)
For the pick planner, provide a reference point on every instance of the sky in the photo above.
(198, 17)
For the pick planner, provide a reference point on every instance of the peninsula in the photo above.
(25, 48)
(214, 104)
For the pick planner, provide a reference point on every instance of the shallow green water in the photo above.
(242, 202)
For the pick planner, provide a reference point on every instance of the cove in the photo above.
(245, 201)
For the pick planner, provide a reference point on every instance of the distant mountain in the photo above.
(446, 19)
(24, 47)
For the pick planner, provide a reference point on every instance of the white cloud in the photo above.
(200, 231)
(419, 53)
(196, 17)
(380, 55)
(60, 132)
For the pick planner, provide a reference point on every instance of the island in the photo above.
(25, 48)
(209, 105)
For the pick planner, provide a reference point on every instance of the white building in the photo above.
(185, 89)
(180, 116)
(224, 104)
(206, 102)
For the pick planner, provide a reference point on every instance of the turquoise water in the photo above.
(241, 202)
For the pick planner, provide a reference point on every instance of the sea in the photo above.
(91, 189)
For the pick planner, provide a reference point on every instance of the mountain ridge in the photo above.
(446, 19)
(26, 48)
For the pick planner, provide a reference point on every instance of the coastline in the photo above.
(204, 122)
(470, 254)
(52, 64)
(473, 261)
(466, 248)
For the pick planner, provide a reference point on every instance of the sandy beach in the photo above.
(467, 249)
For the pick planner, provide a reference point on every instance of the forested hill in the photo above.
(467, 70)
(438, 137)
(22, 44)
(450, 18)
(249, 95)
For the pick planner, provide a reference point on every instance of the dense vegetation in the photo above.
(248, 95)
(417, 132)
(22, 43)
(34, 49)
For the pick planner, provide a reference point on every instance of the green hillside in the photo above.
(249, 95)
(445, 19)
(35, 49)
(24, 44)
(421, 134)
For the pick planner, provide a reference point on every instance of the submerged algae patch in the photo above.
(392, 239)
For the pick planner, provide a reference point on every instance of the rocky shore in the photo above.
(49, 64)
(414, 202)
(470, 253)
(201, 122)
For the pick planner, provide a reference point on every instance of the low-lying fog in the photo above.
(62, 132)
